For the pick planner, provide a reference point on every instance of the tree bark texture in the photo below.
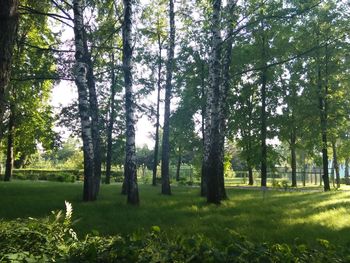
(179, 159)
(130, 171)
(206, 140)
(156, 143)
(81, 71)
(323, 121)
(335, 164)
(204, 132)
(347, 181)
(168, 90)
(10, 145)
(8, 29)
(293, 158)
(263, 117)
(225, 87)
(94, 112)
(214, 158)
(110, 126)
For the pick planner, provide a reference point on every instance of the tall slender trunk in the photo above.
(263, 130)
(159, 87)
(335, 164)
(323, 120)
(81, 71)
(94, 113)
(263, 118)
(130, 164)
(214, 158)
(110, 125)
(293, 158)
(249, 144)
(10, 144)
(347, 181)
(8, 29)
(168, 90)
(179, 158)
(225, 87)
(205, 132)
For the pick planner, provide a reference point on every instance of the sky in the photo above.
(66, 92)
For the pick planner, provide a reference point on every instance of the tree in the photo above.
(81, 70)
(8, 29)
(130, 164)
(168, 87)
(214, 156)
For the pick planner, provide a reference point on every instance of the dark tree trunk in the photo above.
(179, 158)
(8, 30)
(10, 142)
(250, 175)
(81, 71)
(110, 126)
(223, 107)
(130, 164)
(323, 119)
(347, 181)
(168, 90)
(335, 164)
(205, 134)
(94, 112)
(293, 158)
(263, 117)
(263, 130)
(159, 87)
(214, 158)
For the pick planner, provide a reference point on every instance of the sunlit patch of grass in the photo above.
(335, 219)
(271, 216)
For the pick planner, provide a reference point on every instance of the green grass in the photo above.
(276, 216)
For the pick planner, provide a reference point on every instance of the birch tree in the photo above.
(213, 161)
(81, 69)
(168, 90)
(130, 152)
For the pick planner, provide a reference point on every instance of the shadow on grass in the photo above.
(274, 216)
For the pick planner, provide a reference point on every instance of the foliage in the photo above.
(52, 239)
(37, 240)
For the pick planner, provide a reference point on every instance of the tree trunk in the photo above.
(204, 133)
(323, 120)
(168, 90)
(223, 107)
(347, 181)
(80, 71)
(94, 113)
(263, 118)
(130, 164)
(293, 158)
(110, 126)
(10, 142)
(8, 29)
(335, 164)
(250, 175)
(214, 158)
(159, 87)
(178, 166)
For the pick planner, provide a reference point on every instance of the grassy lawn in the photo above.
(276, 216)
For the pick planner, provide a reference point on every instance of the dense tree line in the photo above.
(249, 72)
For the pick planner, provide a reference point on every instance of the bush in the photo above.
(46, 175)
(52, 240)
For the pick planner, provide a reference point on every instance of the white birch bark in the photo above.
(80, 73)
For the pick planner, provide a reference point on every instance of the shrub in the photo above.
(52, 240)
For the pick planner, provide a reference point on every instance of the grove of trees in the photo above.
(219, 73)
